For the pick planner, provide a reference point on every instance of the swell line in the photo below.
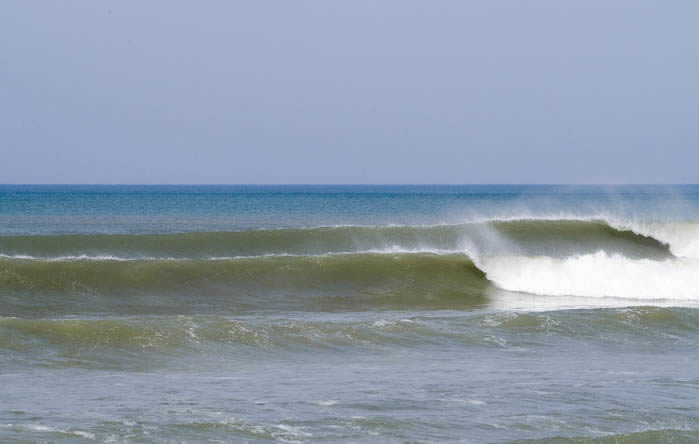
(554, 237)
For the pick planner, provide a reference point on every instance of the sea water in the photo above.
(349, 313)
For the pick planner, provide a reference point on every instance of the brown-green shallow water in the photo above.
(480, 375)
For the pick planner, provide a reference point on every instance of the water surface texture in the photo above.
(349, 313)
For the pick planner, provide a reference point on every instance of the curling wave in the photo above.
(682, 238)
(348, 267)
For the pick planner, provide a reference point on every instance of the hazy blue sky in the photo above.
(349, 92)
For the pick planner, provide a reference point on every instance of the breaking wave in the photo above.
(346, 267)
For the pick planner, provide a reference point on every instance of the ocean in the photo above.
(349, 313)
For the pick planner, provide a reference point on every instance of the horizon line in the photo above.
(354, 184)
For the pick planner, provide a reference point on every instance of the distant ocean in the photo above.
(349, 313)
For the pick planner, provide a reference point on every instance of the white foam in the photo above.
(472, 401)
(394, 249)
(41, 428)
(82, 257)
(82, 434)
(293, 431)
(596, 275)
(327, 403)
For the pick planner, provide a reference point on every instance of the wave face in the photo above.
(329, 282)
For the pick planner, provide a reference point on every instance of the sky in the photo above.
(168, 91)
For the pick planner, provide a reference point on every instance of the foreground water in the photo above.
(373, 313)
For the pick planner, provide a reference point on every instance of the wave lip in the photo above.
(681, 237)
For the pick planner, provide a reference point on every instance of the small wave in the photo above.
(167, 334)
